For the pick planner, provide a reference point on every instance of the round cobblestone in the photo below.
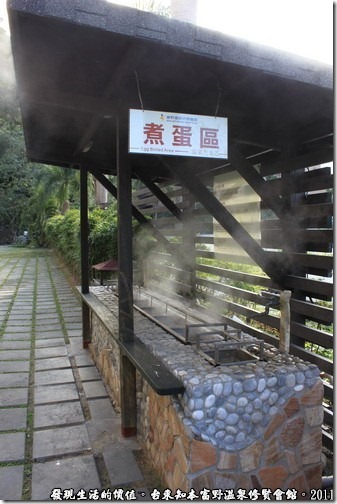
(198, 415)
(272, 381)
(221, 414)
(237, 388)
(290, 380)
(242, 401)
(273, 398)
(256, 417)
(227, 389)
(261, 385)
(250, 385)
(232, 419)
(217, 389)
(230, 429)
(300, 378)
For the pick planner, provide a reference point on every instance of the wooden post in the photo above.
(125, 286)
(84, 255)
(284, 343)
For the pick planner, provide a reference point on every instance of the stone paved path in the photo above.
(58, 429)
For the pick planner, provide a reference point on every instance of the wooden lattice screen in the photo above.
(231, 285)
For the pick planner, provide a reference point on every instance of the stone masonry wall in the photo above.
(282, 451)
(105, 353)
(287, 456)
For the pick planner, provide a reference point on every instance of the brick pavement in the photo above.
(58, 429)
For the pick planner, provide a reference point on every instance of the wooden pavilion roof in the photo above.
(77, 64)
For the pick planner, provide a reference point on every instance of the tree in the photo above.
(61, 183)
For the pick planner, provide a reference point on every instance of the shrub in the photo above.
(63, 234)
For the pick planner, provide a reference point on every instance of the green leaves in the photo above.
(63, 234)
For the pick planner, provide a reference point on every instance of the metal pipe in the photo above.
(266, 311)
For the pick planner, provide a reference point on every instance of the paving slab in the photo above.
(57, 351)
(107, 432)
(51, 317)
(60, 441)
(53, 376)
(11, 480)
(122, 466)
(14, 396)
(94, 389)
(20, 321)
(16, 337)
(102, 409)
(57, 414)
(43, 327)
(18, 329)
(15, 345)
(53, 363)
(84, 359)
(14, 354)
(14, 379)
(89, 373)
(76, 350)
(48, 334)
(13, 418)
(55, 393)
(12, 447)
(14, 366)
(74, 472)
(49, 342)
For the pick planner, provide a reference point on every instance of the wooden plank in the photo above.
(154, 371)
(307, 211)
(307, 260)
(312, 311)
(223, 305)
(318, 198)
(233, 291)
(328, 417)
(327, 440)
(321, 362)
(328, 391)
(302, 222)
(313, 288)
(312, 239)
(234, 275)
(312, 335)
(317, 157)
(305, 184)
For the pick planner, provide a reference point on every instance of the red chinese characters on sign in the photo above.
(209, 138)
(182, 136)
(154, 133)
(177, 134)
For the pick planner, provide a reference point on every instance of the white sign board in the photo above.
(175, 134)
